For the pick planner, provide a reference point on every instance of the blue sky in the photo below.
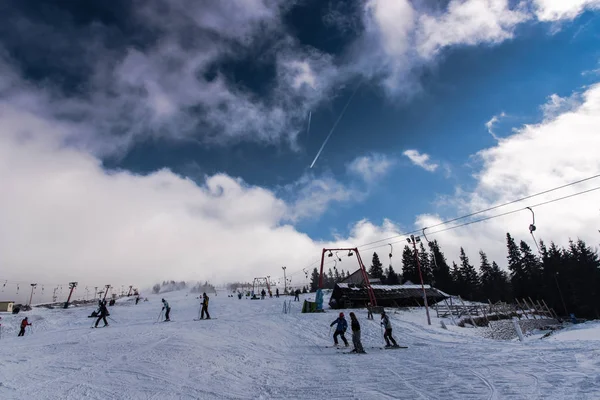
(217, 95)
(445, 119)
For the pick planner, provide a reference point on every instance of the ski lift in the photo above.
(17, 289)
(532, 227)
(330, 254)
(391, 251)
(350, 253)
(338, 257)
(3, 286)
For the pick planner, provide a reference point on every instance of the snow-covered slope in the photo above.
(254, 351)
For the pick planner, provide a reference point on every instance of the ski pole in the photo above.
(159, 315)
(112, 319)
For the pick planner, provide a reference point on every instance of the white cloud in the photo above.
(555, 10)
(467, 22)
(370, 167)
(421, 160)
(557, 105)
(170, 88)
(313, 195)
(65, 218)
(490, 124)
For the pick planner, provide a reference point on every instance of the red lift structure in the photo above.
(351, 252)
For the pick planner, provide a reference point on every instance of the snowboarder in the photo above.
(340, 329)
(277, 292)
(167, 308)
(297, 295)
(263, 294)
(385, 322)
(24, 324)
(102, 313)
(358, 347)
(204, 307)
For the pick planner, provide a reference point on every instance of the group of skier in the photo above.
(342, 326)
(204, 310)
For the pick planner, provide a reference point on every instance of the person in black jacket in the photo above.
(204, 307)
(340, 329)
(102, 314)
(358, 347)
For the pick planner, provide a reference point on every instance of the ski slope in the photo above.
(254, 351)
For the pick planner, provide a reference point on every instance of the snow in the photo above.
(254, 351)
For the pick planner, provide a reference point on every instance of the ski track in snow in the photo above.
(254, 351)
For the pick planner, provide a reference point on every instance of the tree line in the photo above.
(566, 278)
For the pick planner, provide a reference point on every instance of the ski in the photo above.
(202, 319)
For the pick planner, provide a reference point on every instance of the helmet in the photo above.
(163, 300)
(341, 314)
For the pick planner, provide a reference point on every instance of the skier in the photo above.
(340, 329)
(204, 307)
(263, 294)
(137, 298)
(385, 322)
(277, 292)
(358, 347)
(297, 295)
(102, 313)
(166, 306)
(24, 324)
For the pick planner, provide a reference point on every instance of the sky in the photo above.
(173, 139)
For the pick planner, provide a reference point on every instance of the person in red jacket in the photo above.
(24, 324)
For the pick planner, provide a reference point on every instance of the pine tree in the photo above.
(314, 280)
(336, 276)
(553, 262)
(376, 270)
(425, 264)
(583, 266)
(330, 279)
(518, 278)
(457, 280)
(532, 272)
(494, 282)
(469, 276)
(440, 269)
(392, 277)
(409, 266)
(486, 277)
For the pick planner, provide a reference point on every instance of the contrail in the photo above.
(308, 129)
(335, 124)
